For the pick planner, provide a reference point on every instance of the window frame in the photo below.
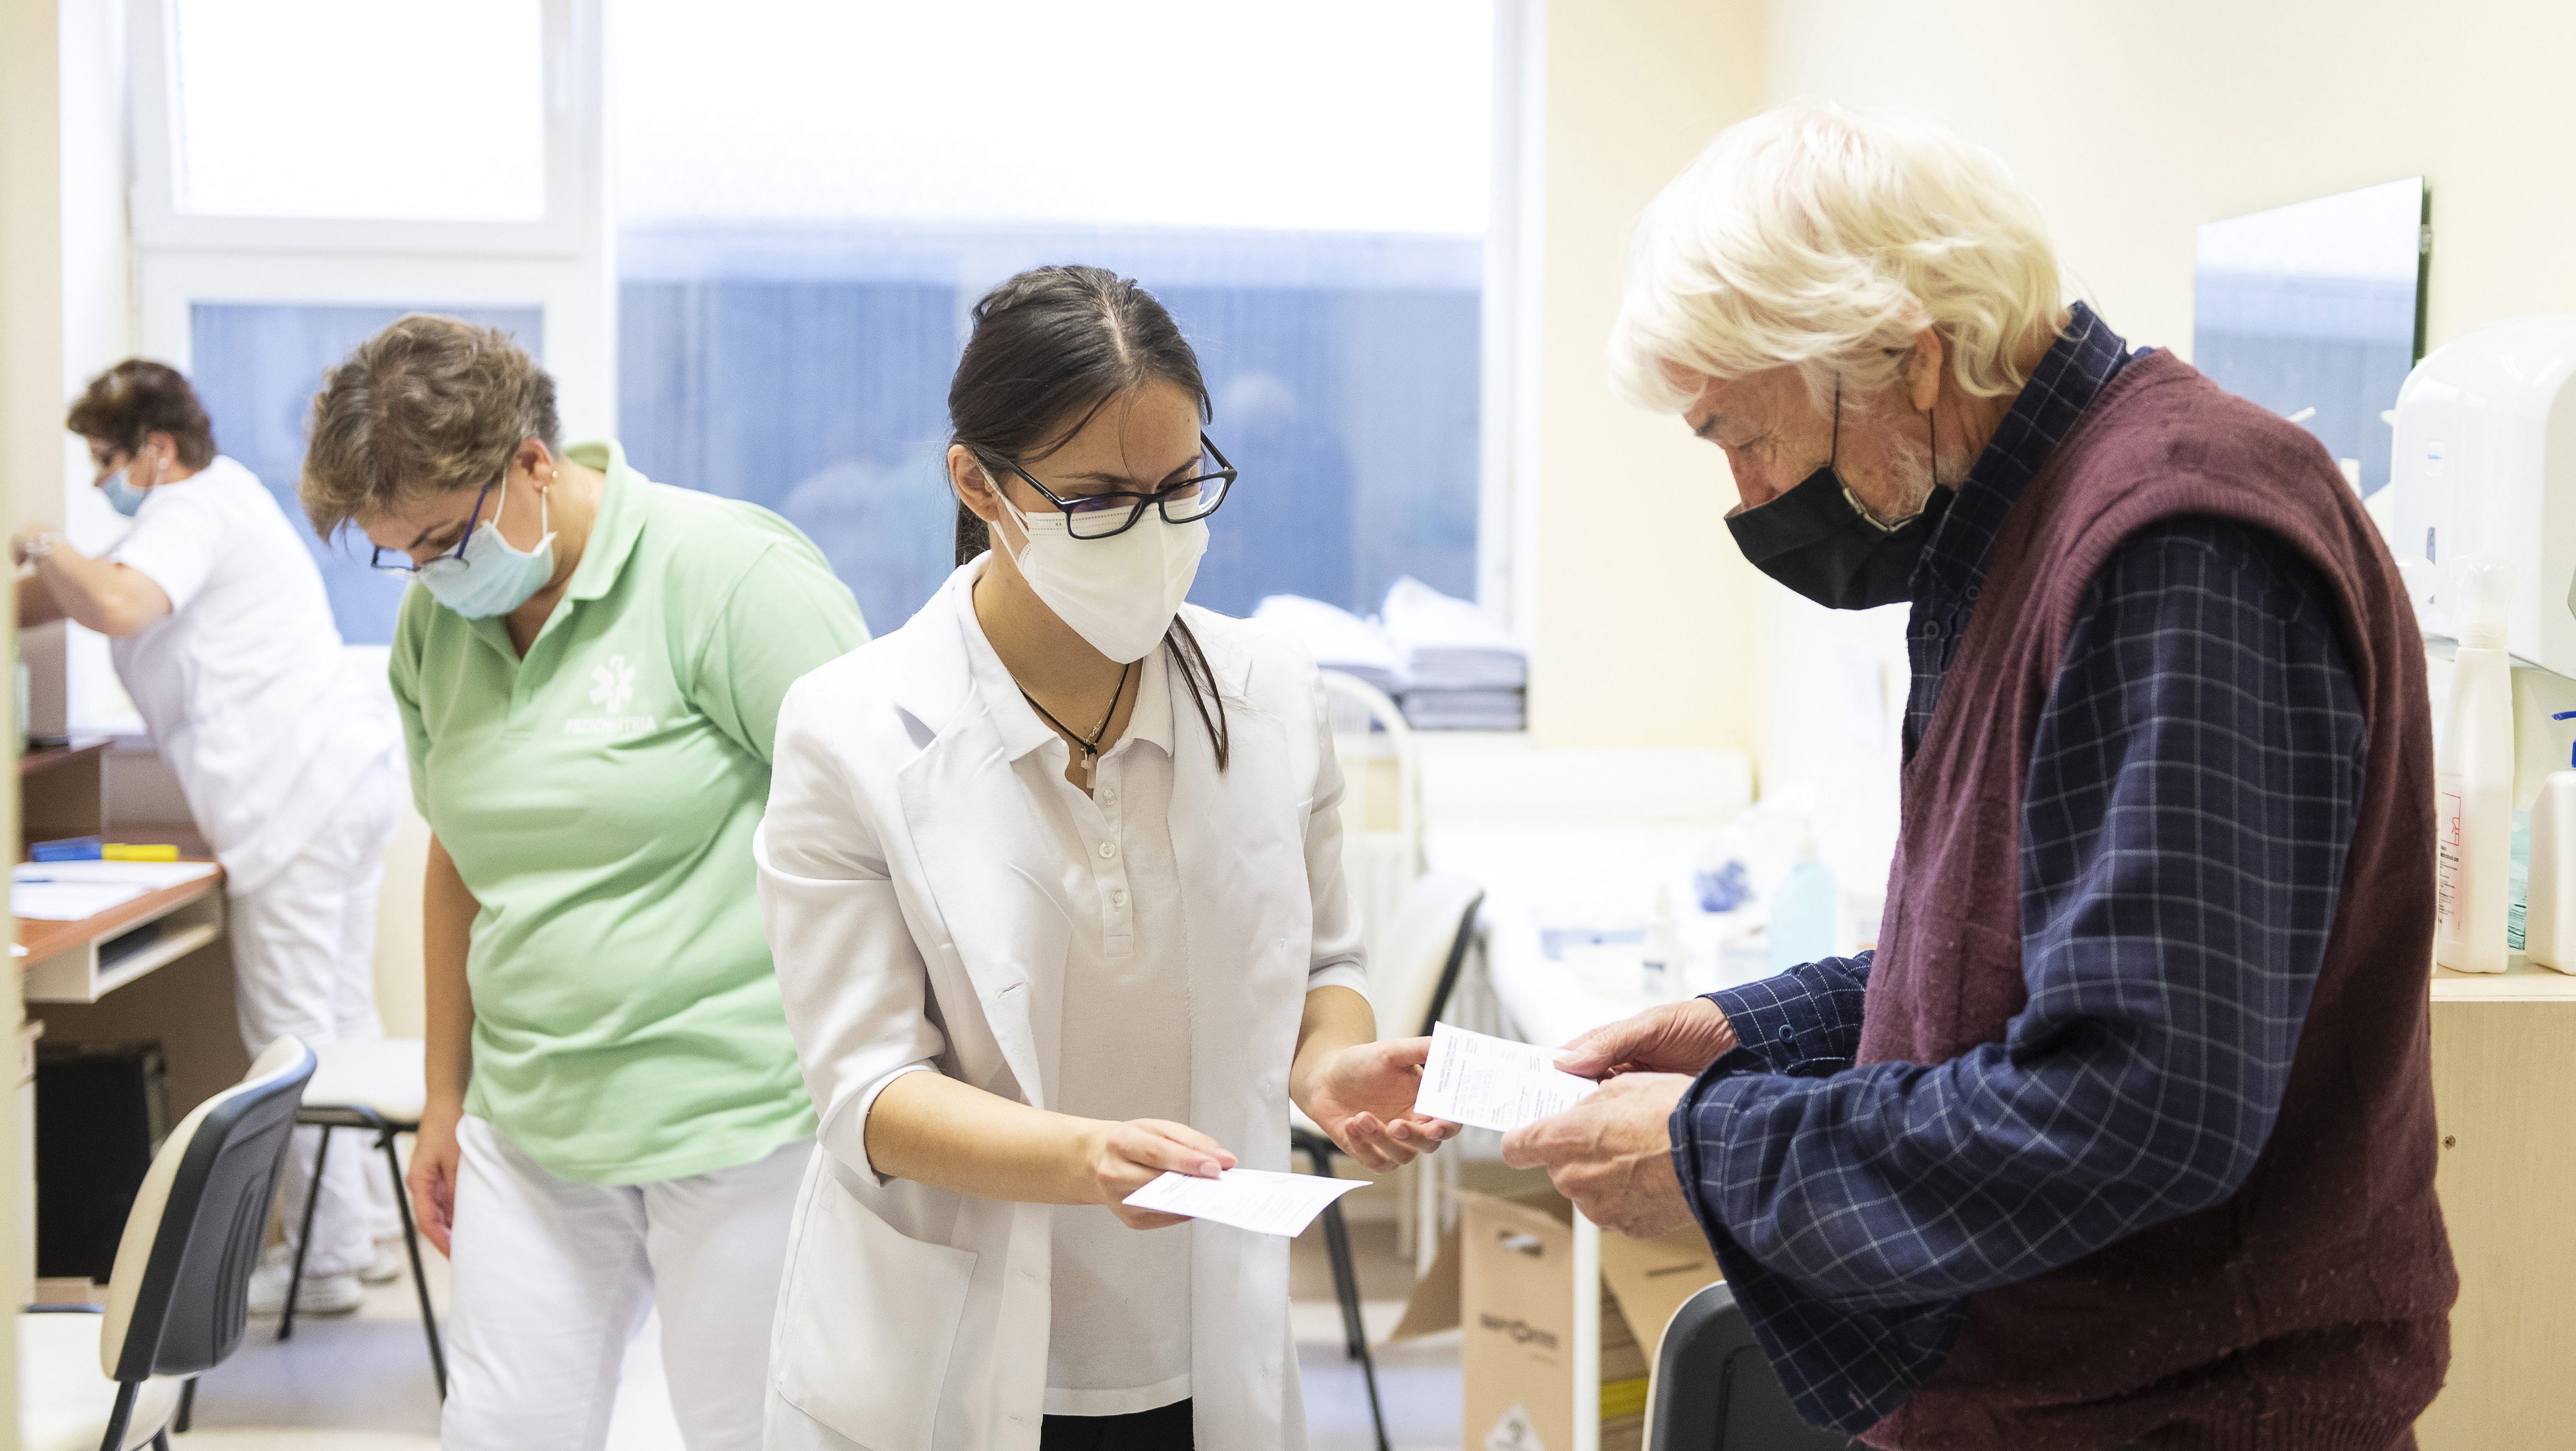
(571, 35)
(564, 265)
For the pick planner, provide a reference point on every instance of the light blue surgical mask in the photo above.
(489, 577)
(122, 494)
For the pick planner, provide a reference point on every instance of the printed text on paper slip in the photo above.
(1255, 1199)
(1493, 1083)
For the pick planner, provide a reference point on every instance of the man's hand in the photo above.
(1363, 1097)
(1612, 1154)
(1674, 1038)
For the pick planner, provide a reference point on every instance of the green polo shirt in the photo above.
(599, 798)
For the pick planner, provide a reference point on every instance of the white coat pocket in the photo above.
(867, 1323)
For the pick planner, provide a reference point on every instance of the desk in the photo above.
(84, 960)
(2504, 1057)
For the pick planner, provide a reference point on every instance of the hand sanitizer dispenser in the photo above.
(2485, 464)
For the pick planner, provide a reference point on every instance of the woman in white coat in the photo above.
(1052, 877)
(220, 631)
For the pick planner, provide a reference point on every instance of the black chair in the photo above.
(373, 1085)
(179, 1297)
(1716, 1391)
(1428, 940)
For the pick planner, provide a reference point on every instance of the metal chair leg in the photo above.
(419, 1281)
(187, 1407)
(1346, 1288)
(118, 1419)
(160, 1441)
(304, 1240)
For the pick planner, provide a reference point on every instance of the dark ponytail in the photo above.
(1050, 348)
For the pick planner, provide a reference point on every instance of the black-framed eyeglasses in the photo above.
(402, 558)
(1100, 516)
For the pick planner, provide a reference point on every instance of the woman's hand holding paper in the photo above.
(1362, 1096)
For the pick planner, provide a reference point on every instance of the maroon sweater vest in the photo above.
(2311, 1310)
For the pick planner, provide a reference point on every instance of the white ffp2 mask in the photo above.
(1118, 593)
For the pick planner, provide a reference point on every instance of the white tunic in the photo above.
(1121, 1339)
(244, 684)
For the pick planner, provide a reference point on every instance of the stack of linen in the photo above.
(1338, 639)
(1461, 670)
(1443, 661)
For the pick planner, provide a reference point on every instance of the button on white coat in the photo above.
(1108, 851)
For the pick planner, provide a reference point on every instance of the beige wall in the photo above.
(1648, 621)
(2135, 123)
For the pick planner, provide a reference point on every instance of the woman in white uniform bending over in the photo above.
(1053, 880)
(221, 633)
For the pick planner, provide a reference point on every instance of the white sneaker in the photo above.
(390, 1264)
(320, 1295)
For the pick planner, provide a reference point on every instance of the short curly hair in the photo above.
(430, 406)
(1826, 239)
(138, 398)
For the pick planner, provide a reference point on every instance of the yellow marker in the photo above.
(117, 851)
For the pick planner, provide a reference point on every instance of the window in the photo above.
(308, 170)
(466, 127)
(392, 111)
(813, 195)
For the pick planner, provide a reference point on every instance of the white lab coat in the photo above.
(913, 895)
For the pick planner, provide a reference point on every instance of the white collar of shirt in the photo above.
(1023, 730)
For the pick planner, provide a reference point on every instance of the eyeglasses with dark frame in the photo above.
(1108, 514)
(404, 565)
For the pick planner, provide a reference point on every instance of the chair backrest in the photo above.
(1425, 949)
(179, 1295)
(1715, 1391)
(1368, 728)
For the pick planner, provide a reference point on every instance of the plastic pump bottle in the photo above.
(2549, 931)
(1803, 910)
(2473, 802)
(1663, 951)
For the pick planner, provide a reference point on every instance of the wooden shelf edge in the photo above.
(2522, 981)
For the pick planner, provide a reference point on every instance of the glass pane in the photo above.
(257, 367)
(807, 216)
(324, 108)
(2316, 311)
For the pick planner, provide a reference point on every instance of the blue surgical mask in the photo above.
(490, 577)
(122, 495)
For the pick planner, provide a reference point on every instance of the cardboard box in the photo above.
(1505, 1274)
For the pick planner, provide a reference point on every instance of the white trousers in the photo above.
(552, 1278)
(304, 954)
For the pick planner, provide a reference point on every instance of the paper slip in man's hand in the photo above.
(1493, 1083)
(1259, 1200)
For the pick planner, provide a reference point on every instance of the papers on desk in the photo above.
(68, 901)
(1255, 1199)
(70, 891)
(1493, 1083)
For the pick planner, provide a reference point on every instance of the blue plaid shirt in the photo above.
(2192, 790)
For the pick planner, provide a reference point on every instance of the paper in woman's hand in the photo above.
(1493, 1083)
(1259, 1200)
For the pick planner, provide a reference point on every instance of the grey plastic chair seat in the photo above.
(1716, 1391)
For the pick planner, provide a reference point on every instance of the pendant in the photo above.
(1090, 769)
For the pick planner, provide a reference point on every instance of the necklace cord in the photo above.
(1090, 747)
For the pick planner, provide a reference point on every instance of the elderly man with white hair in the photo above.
(2123, 1134)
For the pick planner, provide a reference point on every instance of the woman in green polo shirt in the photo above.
(589, 676)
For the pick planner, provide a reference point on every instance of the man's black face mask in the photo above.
(1819, 541)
